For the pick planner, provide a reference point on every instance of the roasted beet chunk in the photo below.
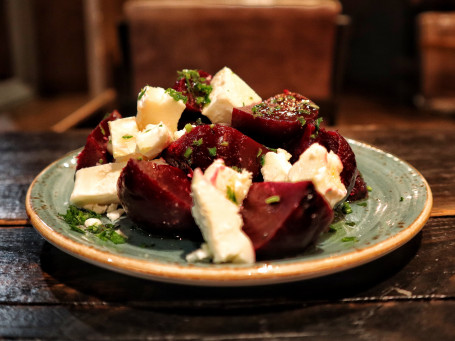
(282, 218)
(302, 142)
(333, 141)
(206, 143)
(275, 120)
(157, 198)
(195, 85)
(360, 190)
(95, 150)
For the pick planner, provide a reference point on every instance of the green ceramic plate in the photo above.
(396, 210)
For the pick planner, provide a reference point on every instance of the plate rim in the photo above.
(260, 273)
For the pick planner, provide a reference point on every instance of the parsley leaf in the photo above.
(76, 217)
(273, 199)
(230, 193)
(176, 95)
(212, 151)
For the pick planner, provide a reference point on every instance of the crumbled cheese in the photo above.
(235, 185)
(323, 169)
(123, 138)
(93, 222)
(228, 91)
(276, 166)
(156, 106)
(96, 185)
(220, 223)
(151, 141)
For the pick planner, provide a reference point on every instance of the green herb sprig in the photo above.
(76, 217)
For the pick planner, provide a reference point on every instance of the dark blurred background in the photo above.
(63, 58)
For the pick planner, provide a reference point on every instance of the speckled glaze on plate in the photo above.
(396, 210)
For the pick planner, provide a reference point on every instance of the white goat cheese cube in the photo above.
(151, 141)
(276, 166)
(233, 184)
(220, 223)
(228, 91)
(96, 185)
(123, 138)
(155, 106)
(323, 169)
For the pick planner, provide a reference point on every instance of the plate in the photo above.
(397, 208)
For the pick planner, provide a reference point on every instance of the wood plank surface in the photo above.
(431, 151)
(22, 157)
(406, 295)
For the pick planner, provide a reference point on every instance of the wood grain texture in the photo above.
(22, 157)
(431, 151)
(407, 295)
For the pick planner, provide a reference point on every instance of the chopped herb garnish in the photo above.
(346, 208)
(349, 239)
(261, 160)
(142, 93)
(301, 120)
(102, 130)
(176, 95)
(127, 137)
(273, 199)
(188, 152)
(101, 161)
(212, 126)
(110, 234)
(139, 158)
(259, 153)
(188, 127)
(196, 86)
(230, 193)
(76, 217)
(401, 198)
(212, 151)
(364, 204)
(237, 169)
(198, 142)
(317, 123)
(313, 105)
(350, 223)
(332, 229)
(369, 188)
(224, 143)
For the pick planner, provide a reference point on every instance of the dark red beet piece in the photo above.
(275, 120)
(287, 227)
(157, 198)
(360, 190)
(333, 141)
(193, 84)
(93, 153)
(298, 145)
(95, 150)
(206, 143)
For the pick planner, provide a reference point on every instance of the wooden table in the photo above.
(406, 295)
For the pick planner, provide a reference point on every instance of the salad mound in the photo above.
(256, 179)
